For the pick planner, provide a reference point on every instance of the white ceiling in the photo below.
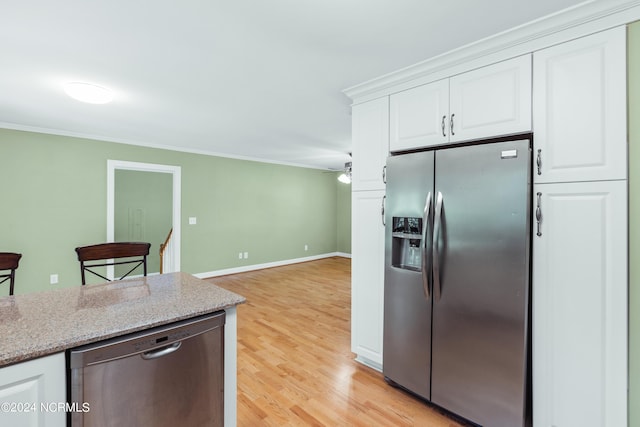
(260, 79)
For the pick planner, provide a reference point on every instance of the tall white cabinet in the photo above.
(580, 233)
(564, 80)
(370, 123)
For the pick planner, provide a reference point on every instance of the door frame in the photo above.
(176, 172)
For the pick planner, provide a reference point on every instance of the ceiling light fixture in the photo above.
(345, 177)
(88, 92)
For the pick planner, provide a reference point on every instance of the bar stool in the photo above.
(9, 261)
(107, 254)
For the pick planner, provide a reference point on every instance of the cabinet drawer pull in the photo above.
(539, 215)
(451, 130)
(539, 162)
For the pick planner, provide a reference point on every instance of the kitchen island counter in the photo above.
(43, 323)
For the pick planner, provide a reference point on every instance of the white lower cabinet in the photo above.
(33, 393)
(580, 305)
(367, 277)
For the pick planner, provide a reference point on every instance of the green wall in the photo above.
(634, 223)
(143, 212)
(343, 231)
(54, 190)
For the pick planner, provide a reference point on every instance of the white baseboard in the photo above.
(367, 362)
(253, 267)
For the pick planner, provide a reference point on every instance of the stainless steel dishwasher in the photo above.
(171, 375)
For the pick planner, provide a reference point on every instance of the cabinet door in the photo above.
(580, 305)
(367, 276)
(370, 123)
(579, 109)
(490, 101)
(419, 116)
(32, 390)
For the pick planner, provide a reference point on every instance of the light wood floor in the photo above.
(295, 366)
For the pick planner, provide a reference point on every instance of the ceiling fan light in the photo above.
(88, 92)
(344, 178)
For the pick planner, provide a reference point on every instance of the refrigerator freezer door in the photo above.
(407, 302)
(480, 319)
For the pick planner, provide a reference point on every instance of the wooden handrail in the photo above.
(163, 246)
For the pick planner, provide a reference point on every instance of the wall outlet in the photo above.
(306, 247)
(193, 220)
(246, 255)
(239, 255)
(53, 279)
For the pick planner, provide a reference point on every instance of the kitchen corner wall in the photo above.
(634, 222)
(54, 199)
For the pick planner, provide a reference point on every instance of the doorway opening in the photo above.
(172, 254)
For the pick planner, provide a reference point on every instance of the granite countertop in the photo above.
(48, 322)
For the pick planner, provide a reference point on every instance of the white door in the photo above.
(580, 305)
(367, 276)
(490, 101)
(370, 135)
(579, 109)
(419, 116)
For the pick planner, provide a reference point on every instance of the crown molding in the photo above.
(585, 18)
(102, 138)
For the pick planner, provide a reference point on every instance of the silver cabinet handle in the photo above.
(384, 174)
(437, 225)
(539, 162)
(154, 354)
(426, 248)
(539, 215)
(443, 125)
(451, 125)
(382, 211)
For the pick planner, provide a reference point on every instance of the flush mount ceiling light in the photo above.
(88, 92)
(345, 176)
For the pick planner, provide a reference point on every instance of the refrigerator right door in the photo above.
(481, 282)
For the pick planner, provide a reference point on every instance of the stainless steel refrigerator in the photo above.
(457, 277)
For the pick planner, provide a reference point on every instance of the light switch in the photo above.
(193, 220)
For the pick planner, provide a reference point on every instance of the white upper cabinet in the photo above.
(490, 101)
(419, 116)
(579, 109)
(370, 137)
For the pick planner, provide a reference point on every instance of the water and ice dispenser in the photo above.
(406, 243)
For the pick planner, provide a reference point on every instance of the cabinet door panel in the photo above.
(579, 109)
(419, 116)
(370, 127)
(580, 305)
(493, 100)
(32, 383)
(367, 275)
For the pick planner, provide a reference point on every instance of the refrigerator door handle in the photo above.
(437, 225)
(426, 248)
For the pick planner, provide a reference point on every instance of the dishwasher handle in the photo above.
(163, 351)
